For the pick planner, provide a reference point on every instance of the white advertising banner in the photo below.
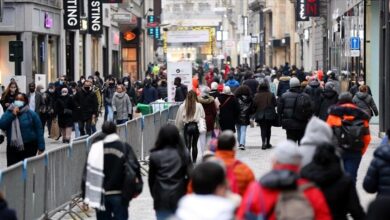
(190, 36)
(40, 79)
(20, 80)
(182, 69)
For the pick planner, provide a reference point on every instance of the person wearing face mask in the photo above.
(49, 100)
(76, 111)
(64, 110)
(80, 83)
(130, 90)
(86, 103)
(121, 105)
(24, 131)
(9, 95)
(108, 94)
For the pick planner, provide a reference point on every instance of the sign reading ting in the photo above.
(71, 15)
(95, 17)
(182, 69)
(300, 11)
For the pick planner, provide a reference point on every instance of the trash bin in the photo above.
(145, 109)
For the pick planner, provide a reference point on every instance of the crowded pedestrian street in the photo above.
(194, 109)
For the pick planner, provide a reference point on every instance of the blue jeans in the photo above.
(115, 209)
(351, 161)
(163, 215)
(241, 134)
(76, 129)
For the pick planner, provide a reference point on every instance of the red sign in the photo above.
(152, 25)
(312, 8)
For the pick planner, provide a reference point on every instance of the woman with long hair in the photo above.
(264, 103)
(169, 167)
(9, 95)
(187, 119)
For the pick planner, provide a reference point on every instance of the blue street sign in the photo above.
(355, 43)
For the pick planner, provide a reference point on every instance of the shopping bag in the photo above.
(54, 129)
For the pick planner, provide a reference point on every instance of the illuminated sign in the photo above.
(129, 36)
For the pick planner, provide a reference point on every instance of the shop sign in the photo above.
(48, 21)
(71, 14)
(95, 17)
(300, 11)
(129, 36)
(306, 9)
(125, 18)
(190, 36)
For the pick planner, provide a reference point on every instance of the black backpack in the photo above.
(350, 135)
(303, 107)
(132, 179)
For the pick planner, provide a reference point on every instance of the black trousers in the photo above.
(191, 141)
(295, 135)
(14, 156)
(85, 127)
(265, 128)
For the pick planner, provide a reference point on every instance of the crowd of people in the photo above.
(193, 169)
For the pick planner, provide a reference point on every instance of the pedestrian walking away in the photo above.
(365, 101)
(112, 177)
(24, 131)
(169, 170)
(229, 110)
(245, 102)
(187, 119)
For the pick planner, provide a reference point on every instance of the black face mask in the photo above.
(32, 90)
(87, 88)
(111, 84)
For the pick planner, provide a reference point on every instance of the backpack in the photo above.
(293, 204)
(302, 107)
(132, 179)
(231, 178)
(350, 135)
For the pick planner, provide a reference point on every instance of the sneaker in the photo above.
(241, 147)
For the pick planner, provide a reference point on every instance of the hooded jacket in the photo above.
(338, 188)
(210, 110)
(205, 207)
(283, 86)
(317, 133)
(377, 179)
(121, 104)
(365, 102)
(281, 178)
(329, 97)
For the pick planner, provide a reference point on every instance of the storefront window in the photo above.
(6, 68)
(52, 59)
(38, 54)
(129, 56)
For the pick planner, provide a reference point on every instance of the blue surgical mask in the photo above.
(18, 103)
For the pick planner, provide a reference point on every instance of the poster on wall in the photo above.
(182, 69)
(20, 80)
(40, 79)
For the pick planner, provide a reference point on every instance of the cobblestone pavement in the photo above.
(259, 161)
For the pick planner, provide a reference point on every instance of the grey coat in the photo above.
(366, 103)
(121, 104)
(39, 102)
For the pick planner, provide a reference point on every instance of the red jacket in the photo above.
(252, 201)
(209, 78)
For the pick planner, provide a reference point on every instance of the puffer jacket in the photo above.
(245, 103)
(377, 179)
(30, 127)
(286, 109)
(284, 85)
(329, 97)
(168, 177)
(267, 192)
(365, 102)
(121, 104)
(210, 110)
(338, 188)
(314, 90)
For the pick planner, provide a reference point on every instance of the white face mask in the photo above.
(361, 83)
(42, 90)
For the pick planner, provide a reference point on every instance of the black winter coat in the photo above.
(377, 179)
(283, 86)
(328, 98)
(252, 84)
(245, 104)
(314, 91)
(338, 188)
(108, 94)
(286, 107)
(64, 111)
(229, 111)
(5, 212)
(162, 92)
(168, 177)
(86, 103)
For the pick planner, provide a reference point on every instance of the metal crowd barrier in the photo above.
(41, 186)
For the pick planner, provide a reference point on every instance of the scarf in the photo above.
(16, 134)
(94, 191)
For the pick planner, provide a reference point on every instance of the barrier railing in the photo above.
(41, 186)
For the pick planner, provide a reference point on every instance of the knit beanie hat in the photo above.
(287, 152)
(214, 85)
(294, 82)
